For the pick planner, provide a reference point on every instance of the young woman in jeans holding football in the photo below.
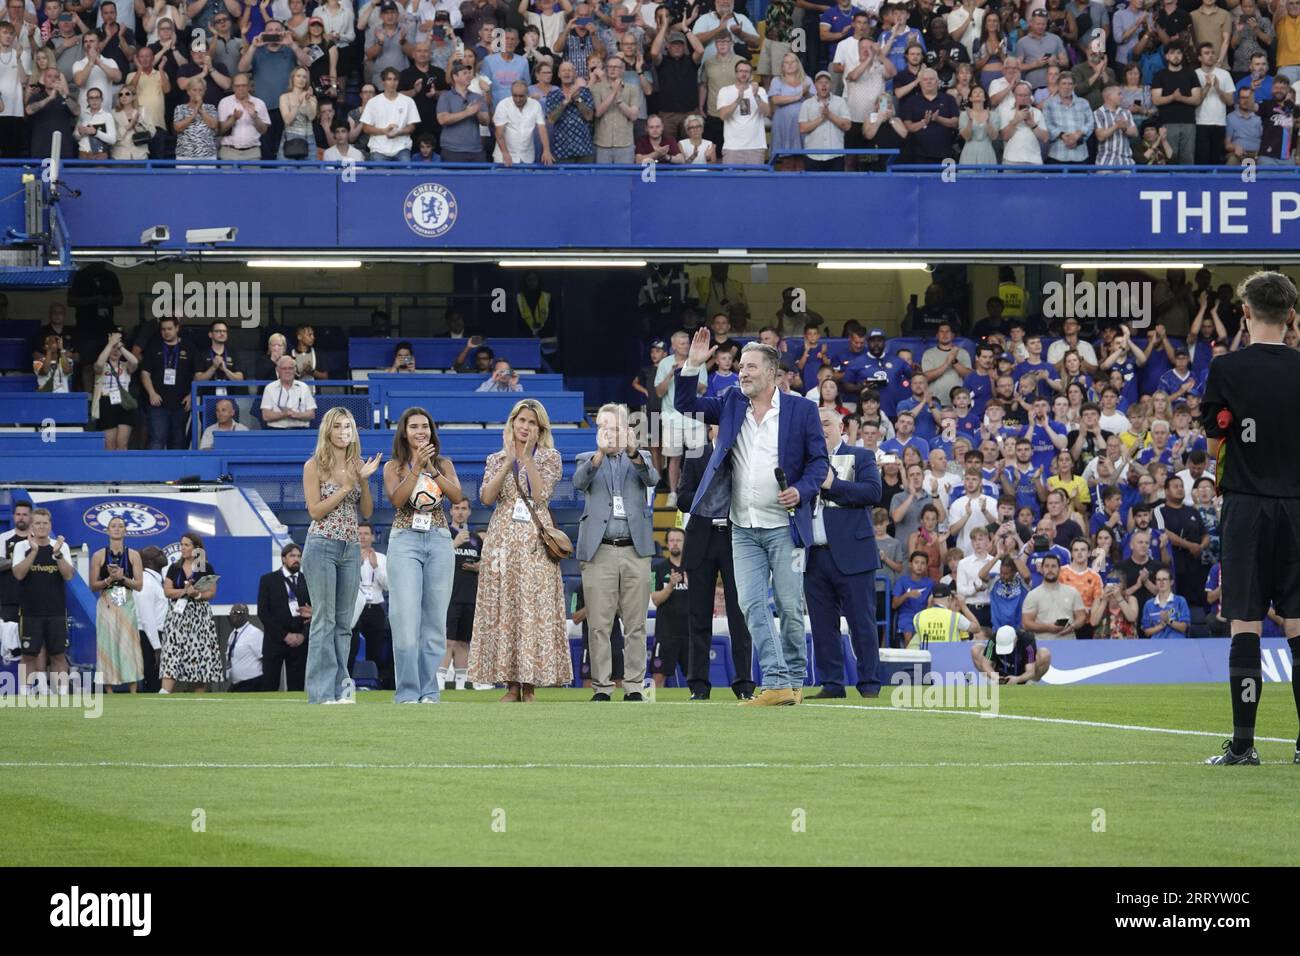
(421, 562)
(336, 484)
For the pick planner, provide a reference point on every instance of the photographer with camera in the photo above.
(504, 378)
(403, 358)
(1012, 657)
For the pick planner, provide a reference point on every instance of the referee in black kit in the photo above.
(1249, 411)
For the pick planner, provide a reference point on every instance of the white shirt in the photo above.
(427, 10)
(970, 585)
(355, 155)
(740, 131)
(374, 581)
(206, 440)
(383, 112)
(98, 79)
(1056, 353)
(667, 370)
(1116, 424)
(1006, 106)
(519, 126)
(964, 506)
(972, 34)
(298, 398)
(1091, 476)
(754, 459)
(710, 21)
(1023, 146)
(244, 654)
(1212, 111)
(827, 135)
(701, 155)
(863, 94)
(151, 607)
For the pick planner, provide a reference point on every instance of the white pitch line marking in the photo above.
(938, 765)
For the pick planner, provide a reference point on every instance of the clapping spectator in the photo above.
(51, 108)
(742, 107)
(823, 121)
(298, 107)
(1165, 615)
(978, 131)
(225, 413)
(134, 130)
(460, 111)
(786, 92)
(195, 123)
(1114, 128)
(244, 120)
(304, 354)
(287, 402)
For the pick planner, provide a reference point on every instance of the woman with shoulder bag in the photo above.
(421, 562)
(113, 404)
(297, 109)
(520, 636)
(135, 130)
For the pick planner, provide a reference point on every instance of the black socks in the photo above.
(1294, 642)
(1245, 681)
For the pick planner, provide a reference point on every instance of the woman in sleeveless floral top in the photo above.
(421, 563)
(520, 636)
(336, 484)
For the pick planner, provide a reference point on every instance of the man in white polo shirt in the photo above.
(389, 119)
(515, 120)
(287, 403)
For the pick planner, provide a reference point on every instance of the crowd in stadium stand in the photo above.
(1151, 82)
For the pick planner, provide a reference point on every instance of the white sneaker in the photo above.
(462, 675)
(344, 700)
(325, 703)
(478, 686)
(671, 501)
(429, 700)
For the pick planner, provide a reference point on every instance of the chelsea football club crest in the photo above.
(141, 519)
(430, 210)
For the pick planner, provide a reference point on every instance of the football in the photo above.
(426, 495)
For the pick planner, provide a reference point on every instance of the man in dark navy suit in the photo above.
(705, 555)
(771, 457)
(842, 562)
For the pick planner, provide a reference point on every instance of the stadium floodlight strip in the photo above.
(874, 264)
(304, 263)
(1153, 265)
(572, 263)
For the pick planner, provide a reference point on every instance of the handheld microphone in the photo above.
(783, 485)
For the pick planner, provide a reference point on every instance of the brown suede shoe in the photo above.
(771, 697)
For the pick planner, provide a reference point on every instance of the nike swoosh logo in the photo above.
(1073, 675)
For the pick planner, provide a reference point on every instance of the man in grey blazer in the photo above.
(615, 544)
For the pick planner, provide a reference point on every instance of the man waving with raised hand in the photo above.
(770, 456)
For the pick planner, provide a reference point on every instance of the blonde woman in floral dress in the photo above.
(519, 622)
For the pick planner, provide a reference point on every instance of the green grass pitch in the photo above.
(267, 780)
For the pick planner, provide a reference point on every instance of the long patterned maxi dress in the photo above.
(519, 622)
(118, 658)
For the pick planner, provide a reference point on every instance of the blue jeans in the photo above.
(333, 570)
(401, 156)
(166, 427)
(757, 555)
(421, 566)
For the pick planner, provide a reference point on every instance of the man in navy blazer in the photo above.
(842, 562)
(766, 438)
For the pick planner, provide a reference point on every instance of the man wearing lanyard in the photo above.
(219, 363)
(243, 652)
(284, 608)
(842, 563)
(615, 545)
(166, 374)
(287, 403)
(368, 617)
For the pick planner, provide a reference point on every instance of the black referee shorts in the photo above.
(1260, 557)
